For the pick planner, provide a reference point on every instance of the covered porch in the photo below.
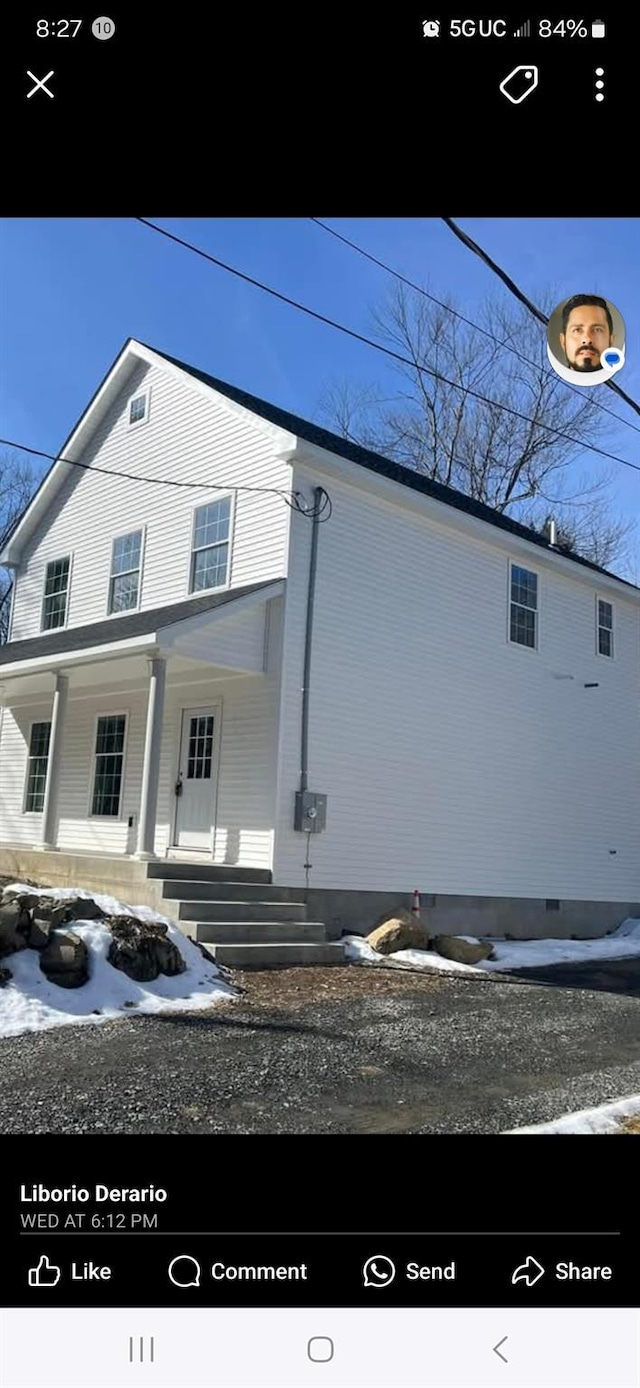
(149, 735)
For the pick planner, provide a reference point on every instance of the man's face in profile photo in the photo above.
(588, 331)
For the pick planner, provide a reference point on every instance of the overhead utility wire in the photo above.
(294, 500)
(519, 294)
(387, 351)
(506, 346)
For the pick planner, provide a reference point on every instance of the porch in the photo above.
(148, 735)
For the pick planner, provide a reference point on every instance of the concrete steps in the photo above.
(241, 918)
(276, 956)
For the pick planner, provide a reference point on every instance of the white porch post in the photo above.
(58, 718)
(151, 763)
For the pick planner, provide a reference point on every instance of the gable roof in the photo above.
(289, 424)
(376, 462)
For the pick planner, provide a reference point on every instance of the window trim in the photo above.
(599, 653)
(32, 725)
(146, 393)
(58, 560)
(143, 543)
(219, 587)
(520, 645)
(93, 767)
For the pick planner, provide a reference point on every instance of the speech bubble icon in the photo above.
(612, 359)
(184, 1271)
(378, 1271)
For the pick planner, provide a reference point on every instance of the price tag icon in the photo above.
(519, 83)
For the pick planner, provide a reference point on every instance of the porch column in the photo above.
(151, 762)
(58, 719)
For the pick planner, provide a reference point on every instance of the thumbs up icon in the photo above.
(44, 1275)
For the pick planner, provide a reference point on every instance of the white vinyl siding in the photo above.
(37, 765)
(523, 607)
(124, 583)
(189, 436)
(56, 594)
(448, 764)
(605, 628)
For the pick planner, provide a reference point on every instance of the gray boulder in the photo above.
(142, 950)
(399, 931)
(15, 924)
(5, 976)
(38, 937)
(78, 908)
(65, 960)
(461, 950)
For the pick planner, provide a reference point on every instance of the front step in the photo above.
(197, 889)
(210, 872)
(243, 911)
(266, 956)
(258, 932)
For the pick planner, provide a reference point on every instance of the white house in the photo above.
(223, 614)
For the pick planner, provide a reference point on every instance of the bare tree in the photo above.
(513, 454)
(17, 483)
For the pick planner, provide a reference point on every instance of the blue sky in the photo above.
(73, 290)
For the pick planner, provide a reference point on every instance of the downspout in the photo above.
(306, 678)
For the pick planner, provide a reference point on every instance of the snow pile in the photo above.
(511, 954)
(29, 1002)
(605, 1119)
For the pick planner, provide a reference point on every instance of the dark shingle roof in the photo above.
(120, 628)
(375, 462)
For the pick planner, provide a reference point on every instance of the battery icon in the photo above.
(598, 29)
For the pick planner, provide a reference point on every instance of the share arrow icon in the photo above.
(529, 1272)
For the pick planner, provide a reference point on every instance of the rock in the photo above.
(38, 937)
(77, 908)
(15, 924)
(400, 931)
(141, 949)
(5, 975)
(462, 950)
(27, 900)
(65, 960)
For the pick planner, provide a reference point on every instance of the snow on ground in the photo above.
(512, 954)
(29, 1002)
(605, 1119)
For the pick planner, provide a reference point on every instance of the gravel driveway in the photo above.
(338, 1050)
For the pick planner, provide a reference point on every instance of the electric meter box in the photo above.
(311, 812)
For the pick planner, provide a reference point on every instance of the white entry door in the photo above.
(196, 779)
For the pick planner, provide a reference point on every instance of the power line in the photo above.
(505, 346)
(387, 351)
(519, 294)
(294, 500)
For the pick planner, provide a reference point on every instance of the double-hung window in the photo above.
(37, 764)
(56, 594)
(139, 408)
(605, 628)
(523, 609)
(210, 549)
(109, 761)
(124, 582)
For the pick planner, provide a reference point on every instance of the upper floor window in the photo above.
(210, 550)
(605, 628)
(56, 592)
(523, 616)
(124, 581)
(139, 408)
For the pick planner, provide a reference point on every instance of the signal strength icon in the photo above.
(524, 32)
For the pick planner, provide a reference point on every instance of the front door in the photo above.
(196, 779)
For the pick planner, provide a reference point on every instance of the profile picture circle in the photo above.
(586, 339)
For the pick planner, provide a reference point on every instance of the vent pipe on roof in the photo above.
(552, 531)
